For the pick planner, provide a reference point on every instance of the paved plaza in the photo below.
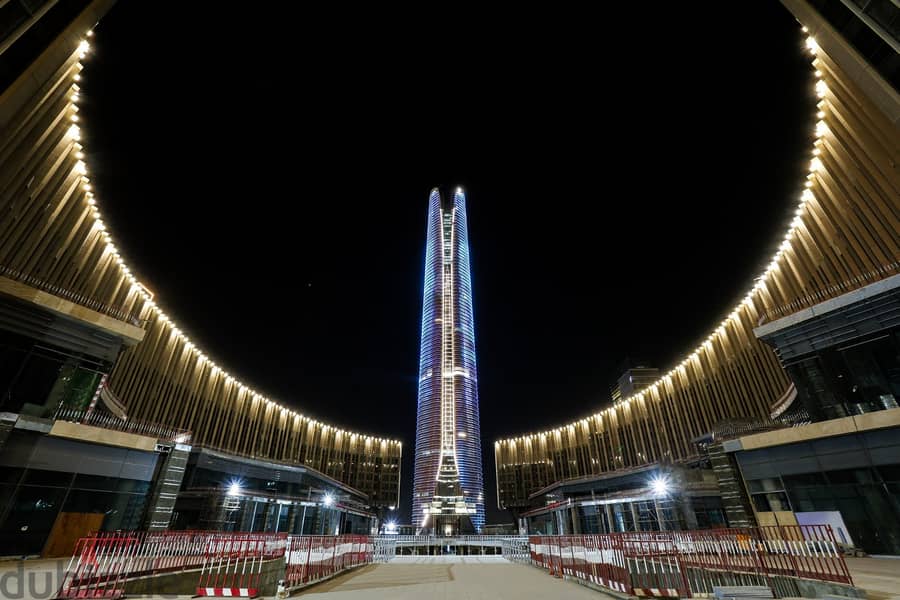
(880, 577)
(439, 577)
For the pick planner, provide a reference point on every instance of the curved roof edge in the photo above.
(751, 303)
(150, 309)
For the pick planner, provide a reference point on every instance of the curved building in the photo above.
(73, 312)
(448, 492)
(844, 236)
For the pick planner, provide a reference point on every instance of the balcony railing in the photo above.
(831, 291)
(107, 421)
(132, 316)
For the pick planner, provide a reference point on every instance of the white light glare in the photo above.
(811, 44)
(234, 488)
(660, 485)
(329, 500)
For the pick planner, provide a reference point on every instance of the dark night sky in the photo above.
(628, 174)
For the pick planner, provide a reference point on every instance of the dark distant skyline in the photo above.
(267, 178)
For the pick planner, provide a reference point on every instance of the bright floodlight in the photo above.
(660, 485)
(329, 499)
(391, 526)
(234, 488)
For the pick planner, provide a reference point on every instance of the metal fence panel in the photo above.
(690, 563)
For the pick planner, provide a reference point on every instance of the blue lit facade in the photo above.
(448, 489)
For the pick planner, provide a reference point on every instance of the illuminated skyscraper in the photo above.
(448, 492)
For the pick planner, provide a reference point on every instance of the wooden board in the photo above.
(67, 529)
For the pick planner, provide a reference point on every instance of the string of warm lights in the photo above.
(80, 168)
(692, 360)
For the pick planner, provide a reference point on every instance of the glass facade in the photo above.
(854, 378)
(234, 494)
(856, 475)
(32, 499)
(647, 514)
(221, 512)
(629, 502)
(37, 378)
(448, 433)
(52, 488)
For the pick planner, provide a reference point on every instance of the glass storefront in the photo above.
(856, 475)
(235, 494)
(32, 499)
(851, 379)
(669, 514)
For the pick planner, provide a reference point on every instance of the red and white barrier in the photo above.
(230, 564)
(685, 564)
(99, 567)
(233, 563)
(314, 557)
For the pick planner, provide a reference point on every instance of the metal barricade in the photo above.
(653, 565)
(384, 548)
(233, 563)
(690, 564)
(516, 549)
(310, 558)
(608, 564)
(163, 551)
(230, 564)
(99, 566)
